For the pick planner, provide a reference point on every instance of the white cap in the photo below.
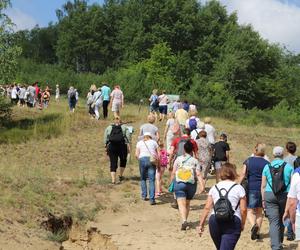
(278, 151)
(148, 134)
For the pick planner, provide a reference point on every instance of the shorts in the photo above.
(116, 106)
(218, 164)
(254, 199)
(185, 190)
(297, 228)
(163, 109)
(153, 108)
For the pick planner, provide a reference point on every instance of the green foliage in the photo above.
(5, 111)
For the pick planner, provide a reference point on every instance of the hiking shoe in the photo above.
(121, 178)
(184, 226)
(254, 231)
(290, 237)
(144, 198)
(174, 204)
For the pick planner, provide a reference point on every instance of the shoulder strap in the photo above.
(270, 166)
(230, 189)
(148, 148)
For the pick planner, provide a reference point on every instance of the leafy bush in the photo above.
(5, 111)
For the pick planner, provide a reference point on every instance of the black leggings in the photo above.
(105, 108)
(115, 152)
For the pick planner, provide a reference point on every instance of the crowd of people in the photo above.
(189, 150)
(29, 95)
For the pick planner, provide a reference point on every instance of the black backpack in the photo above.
(223, 208)
(278, 185)
(116, 135)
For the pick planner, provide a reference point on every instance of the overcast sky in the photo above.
(276, 20)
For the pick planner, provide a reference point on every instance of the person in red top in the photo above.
(37, 93)
(178, 143)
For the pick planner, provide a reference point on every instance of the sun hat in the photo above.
(278, 151)
(201, 125)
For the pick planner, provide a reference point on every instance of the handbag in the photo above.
(153, 159)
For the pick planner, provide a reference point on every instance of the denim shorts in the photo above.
(163, 109)
(254, 199)
(185, 190)
(153, 108)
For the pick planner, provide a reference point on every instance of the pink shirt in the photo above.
(117, 95)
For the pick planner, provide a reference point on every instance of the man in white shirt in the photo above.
(14, 95)
(210, 130)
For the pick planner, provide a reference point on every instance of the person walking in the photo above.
(105, 92)
(163, 105)
(117, 144)
(225, 228)
(117, 100)
(46, 97)
(57, 93)
(186, 172)
(292, 209)
(169, 130)
(149, 128)
(147, 154)
(154, 103)
(204, 154)
(276, 178)
(97, 103)
(210, 130)
(181, 116)
(252, 174)
(72, 98)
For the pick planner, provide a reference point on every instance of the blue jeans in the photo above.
(147, 170)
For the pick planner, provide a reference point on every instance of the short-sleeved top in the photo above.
(220, 150)
(288, 171)
(290, 159)
(147, 148)
(255, 166)
(210, 130)
(170, 123)
(148, 128)
(295, 190)
(153, 99)
(181, 116)
(14, 93)
(203, 150)
(187, 122)
(163, 100)
(234, 196)
(186, 106)
(177, 140)
(125, 130)
(175, 106)
(117, 95)
(105, 92)
(97, 97)
(189, 163)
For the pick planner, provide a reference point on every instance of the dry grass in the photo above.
(68, 173)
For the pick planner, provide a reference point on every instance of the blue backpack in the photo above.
(193, 124)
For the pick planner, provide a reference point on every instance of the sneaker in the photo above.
(174, 204)
(184, 226)
(152, 203)
(254, 231)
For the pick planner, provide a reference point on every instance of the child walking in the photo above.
(163, 163)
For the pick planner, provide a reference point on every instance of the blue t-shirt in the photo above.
(105, 93)
(186, 106)
(288, 171)
(153, 100)
(255, 166)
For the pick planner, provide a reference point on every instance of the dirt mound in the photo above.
(89, 238)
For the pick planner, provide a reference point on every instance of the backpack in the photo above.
(180, 146)
(277, 174)
(155, 101)
(73, 95)
(185, 173)
(297, 162)
(163, 158)
(223, 208)
(116, 135)
(193, 124)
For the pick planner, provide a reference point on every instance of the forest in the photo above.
(182, 46)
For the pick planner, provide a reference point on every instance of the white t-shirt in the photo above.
(210, 130)
(195, 133)
(187, 122)
(234, 196)
(163, 100)
(192, 107)
(295, 190)
(14, 93)
(147, 151)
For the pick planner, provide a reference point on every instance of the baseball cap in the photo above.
(278, 151)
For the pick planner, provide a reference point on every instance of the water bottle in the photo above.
(286, 222)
